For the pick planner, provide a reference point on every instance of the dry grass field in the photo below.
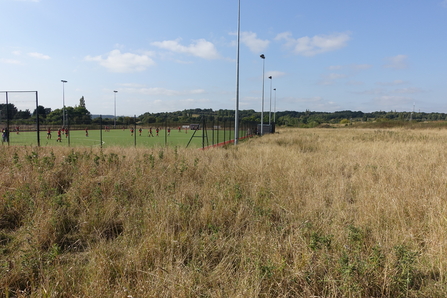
(302, 213)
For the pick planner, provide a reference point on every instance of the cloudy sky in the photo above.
(170, 55)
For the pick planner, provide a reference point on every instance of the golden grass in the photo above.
(301, 213)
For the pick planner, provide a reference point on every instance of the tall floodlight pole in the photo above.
(236, 112)
(270, 110)
(262, 100)
(63, 102)
(274, 114)
(114, 109)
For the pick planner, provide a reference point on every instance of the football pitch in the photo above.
(124, 138)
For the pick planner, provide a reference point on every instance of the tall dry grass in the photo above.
(302, 213)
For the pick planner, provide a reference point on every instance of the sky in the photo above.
(171, 55)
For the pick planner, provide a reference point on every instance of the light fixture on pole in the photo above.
(274, 114)
(262, 100)
(63, 102)
(270, 110)
(114, 109)
(236, 112)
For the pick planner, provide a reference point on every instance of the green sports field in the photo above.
(123, 138)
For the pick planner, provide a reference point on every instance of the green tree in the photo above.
(23, 114)
(82, 102)
(43, 112)
(8, 108)
(55, 117)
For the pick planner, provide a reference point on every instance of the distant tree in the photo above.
(82, 102)
(8, 108)
(55, 117)
(23, 114)
(43, 112)
(79, 114)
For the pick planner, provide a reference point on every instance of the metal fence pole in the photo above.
(7, 118)
(38, 120)
(100, 131)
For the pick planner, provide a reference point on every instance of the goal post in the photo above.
(22, 103)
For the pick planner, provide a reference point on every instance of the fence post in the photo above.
(38, 121)
(100, 131)
(7, 119)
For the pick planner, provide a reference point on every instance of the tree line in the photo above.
(80, 115)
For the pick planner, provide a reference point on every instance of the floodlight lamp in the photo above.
(262, 56)
(63, 81)
(115, 91)
(270, 77)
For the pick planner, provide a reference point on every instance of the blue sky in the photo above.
(170, 55)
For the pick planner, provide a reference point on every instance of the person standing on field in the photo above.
(59, 135)
(5, 135)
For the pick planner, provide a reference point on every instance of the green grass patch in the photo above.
(123, 138)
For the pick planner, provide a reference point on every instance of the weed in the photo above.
(405, 277)
(318, 241)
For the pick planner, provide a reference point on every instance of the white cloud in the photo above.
(335, 76)
(316, 103)
(311, 46)
(163, 91)
(123, 62)
(178, 105)
(131, 85)
(393, 83)
(354, 83)
(10, 61)
(315, 99)
(392, 101)
(200, 48)
(193, 100)
(255, 44)
(358, 67)
(407, 91)
(335, 67)
(39, 56)
(375, 91)
(331, 78)
(385, 92)
(275, 74)
(396, 62)
(353, 67)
